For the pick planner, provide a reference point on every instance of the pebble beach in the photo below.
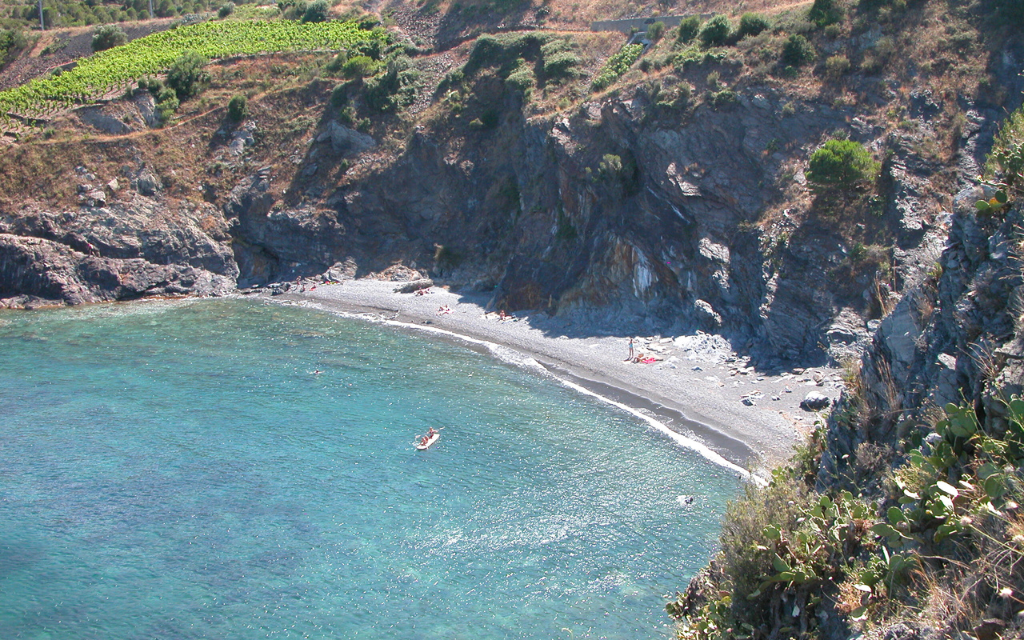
(695, 384)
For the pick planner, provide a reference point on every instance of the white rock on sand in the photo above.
(696, 387)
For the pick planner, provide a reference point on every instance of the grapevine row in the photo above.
(118, 67)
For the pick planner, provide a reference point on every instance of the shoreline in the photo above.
(698, 392)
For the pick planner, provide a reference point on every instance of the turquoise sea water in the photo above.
(175, 470)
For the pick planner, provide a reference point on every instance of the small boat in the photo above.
(422, 446)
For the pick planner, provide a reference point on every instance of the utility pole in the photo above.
(42, 25)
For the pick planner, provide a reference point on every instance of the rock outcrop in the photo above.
(627, 213)
(121, 251)
(954, 336)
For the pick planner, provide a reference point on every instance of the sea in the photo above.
(238, 469)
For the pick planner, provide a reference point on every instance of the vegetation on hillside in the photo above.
(879, 543)
(122, 66)
(841, 164)
(924, 533)
(75, 13)
(937, 538)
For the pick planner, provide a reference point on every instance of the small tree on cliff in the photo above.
(715, 31)
(841, 165)
(187, 76)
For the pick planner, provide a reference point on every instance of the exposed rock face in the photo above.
(955, 335)
(53, 273)
(345, 141)
(122, 251)
(625, 212)
(628, 212)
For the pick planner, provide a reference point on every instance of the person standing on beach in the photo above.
(630, 349)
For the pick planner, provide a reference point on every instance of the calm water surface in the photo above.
(175, 470)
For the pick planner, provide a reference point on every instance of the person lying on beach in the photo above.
(442, 310)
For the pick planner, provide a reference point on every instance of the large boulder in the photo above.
(345, 141)
(815, 401)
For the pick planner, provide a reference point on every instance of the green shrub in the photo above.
(339, 95)
(617, 65)
(1006, 159)
(1005, 165)
(797, 50)
(752, 24)
(825, 12)
(678, 97)
(166, 104)
(504, 51)
(841, 164)
(622, 171)
(688, 30)
(723, 98)
(107, 37)
(238, 108)
(837, 66)
(522, 79)
(489, 118)
(395, 88)
(187, 76)
(561, 65)
(151, 84)
(359, 67)
(292, 9)
(11, 42)
(446, 258)
(655, 31)
(336, 64)
(347, 115)
(316, 12)
(226, 10)
(745, 519)
(715, 31)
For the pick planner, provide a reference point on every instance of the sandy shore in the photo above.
(698, 387)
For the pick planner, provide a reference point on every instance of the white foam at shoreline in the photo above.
(512, 356)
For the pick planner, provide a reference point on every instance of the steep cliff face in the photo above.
(955, 336)
(628, 211)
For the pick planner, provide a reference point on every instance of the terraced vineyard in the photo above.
(120, 67)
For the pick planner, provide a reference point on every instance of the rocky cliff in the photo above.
(645, 207)
(625, 211)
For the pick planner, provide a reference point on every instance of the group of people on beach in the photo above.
(638, 357)
(300, 284)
